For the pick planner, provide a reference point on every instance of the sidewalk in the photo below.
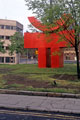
(40, 103)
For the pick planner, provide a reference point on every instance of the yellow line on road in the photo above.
(66, 117)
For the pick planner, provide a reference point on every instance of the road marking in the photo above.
(66, 117)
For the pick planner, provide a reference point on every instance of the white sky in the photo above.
(15, 10)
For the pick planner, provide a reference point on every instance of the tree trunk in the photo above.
(77, 50)
(78, 69)
(51, 3)
(51, 18)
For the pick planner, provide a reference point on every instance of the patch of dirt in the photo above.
(19, 79)
(65, 77)
(5, 70)
(25, 81)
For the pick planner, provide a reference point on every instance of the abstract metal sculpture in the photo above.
(50, 51)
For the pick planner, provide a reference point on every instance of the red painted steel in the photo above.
(36, 23)
(43, 42)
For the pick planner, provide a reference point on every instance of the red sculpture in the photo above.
(50, 51)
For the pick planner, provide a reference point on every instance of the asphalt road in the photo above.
(28, 115)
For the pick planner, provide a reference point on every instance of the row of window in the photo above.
(11, 28)
(71, 54)
(7, 59)
(5, 47)
(70, 58)
(7, 27)
(4, 37)
(19, 29)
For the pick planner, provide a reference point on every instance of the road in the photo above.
(28, 61)
(30, 115)
(35, 61)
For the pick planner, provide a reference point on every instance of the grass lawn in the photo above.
(30, 77)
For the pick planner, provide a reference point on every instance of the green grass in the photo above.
(32, 68)
(14, 86)
(32, 72)
(2, 82)
(55, 90)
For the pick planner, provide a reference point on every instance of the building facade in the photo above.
(69, 54)
(7, 29)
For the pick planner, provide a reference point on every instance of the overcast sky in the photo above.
(15, 10)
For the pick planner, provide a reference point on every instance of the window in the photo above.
(7, 27)
(1, 37)
(3, 47)
(12, 27)
(1, 59)
(19, 29)
(7, 48)
(7, 59)
(67, 58)
(2, 26)
(7, 37)
(10, 60)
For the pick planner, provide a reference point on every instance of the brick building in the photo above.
(7, 29)
(69, 54)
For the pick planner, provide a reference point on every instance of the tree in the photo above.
(1, 47)
(50, 11)
(17, 43)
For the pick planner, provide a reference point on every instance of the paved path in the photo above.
(69, 105)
